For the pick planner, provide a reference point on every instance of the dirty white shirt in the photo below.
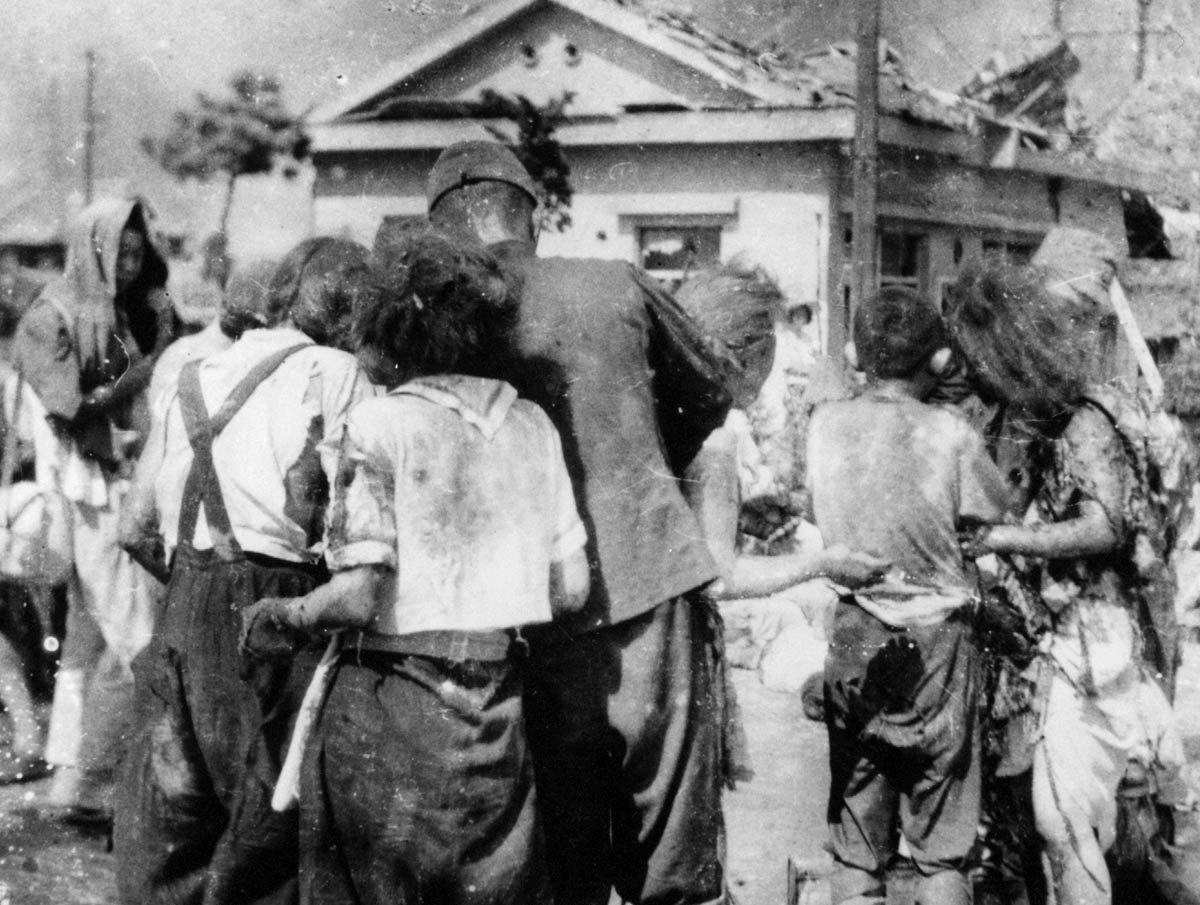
(461, 488)
(273, 476)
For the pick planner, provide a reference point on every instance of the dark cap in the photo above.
(476, 161)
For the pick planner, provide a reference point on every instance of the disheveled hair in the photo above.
(246, 298)
(735, 305)
(320, 284)
(1022, 344)
(441, 305)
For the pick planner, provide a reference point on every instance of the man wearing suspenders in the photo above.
(234, 480)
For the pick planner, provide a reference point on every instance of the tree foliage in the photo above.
(238, 135)
(538, 150)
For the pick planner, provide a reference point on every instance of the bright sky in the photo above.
(153, 54)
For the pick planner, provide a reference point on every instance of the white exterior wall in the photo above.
(772, 202)
(782, 232)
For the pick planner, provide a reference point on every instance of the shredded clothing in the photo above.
(275, 460)
(897, 478)
(1096, 712)
(460, 488)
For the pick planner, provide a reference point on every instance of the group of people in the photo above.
(397, 582)
(1031, 605)
(411, 518)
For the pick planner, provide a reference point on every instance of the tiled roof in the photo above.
(827, 78)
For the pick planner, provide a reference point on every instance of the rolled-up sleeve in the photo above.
(361, 528)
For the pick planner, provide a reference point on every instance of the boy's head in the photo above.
(898, 334)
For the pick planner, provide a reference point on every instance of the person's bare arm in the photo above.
(570, 583)
(276, 626)
(1088, 534)
(1094, 463)
(138, 530)
(761, 576)
(711, 488)
(349, 600)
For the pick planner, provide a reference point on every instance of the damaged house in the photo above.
(686, 148)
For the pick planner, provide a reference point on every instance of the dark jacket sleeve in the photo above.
(44, 353)
(691, 386)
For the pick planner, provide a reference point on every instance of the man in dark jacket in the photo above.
(623, 701)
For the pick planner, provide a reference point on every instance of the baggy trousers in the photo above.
(418, 787)
(625, 725)
(194, 822)
(900, 707)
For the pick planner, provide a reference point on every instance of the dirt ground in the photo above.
(776, 815)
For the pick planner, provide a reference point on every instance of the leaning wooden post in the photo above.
(1133, 334)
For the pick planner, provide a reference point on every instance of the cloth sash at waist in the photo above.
(910, 606)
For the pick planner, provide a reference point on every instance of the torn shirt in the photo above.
(461, 489)
(897, 478)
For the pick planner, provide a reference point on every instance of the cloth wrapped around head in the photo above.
(88, 286)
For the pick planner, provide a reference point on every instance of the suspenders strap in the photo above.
(202, 485)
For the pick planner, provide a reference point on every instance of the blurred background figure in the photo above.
(197, 289)
(241, 307)
(18, 289)
(86, 348)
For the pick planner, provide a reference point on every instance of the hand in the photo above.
(978, 544)
(99, 398)
(267, 632)
(852, 569)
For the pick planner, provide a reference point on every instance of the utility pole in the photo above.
(866, 158)
(1143, 37)
(89, 128)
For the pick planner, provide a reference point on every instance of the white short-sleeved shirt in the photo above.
(269, 459)
(170, 364)
(461, 488)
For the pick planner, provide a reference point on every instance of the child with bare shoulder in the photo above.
(900, 478)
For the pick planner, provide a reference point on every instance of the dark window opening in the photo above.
(902, 259)
(678, 248)
(1144, 228)
(1016, 253)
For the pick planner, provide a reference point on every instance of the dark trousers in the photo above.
(625, 727)
(418, 787)
(901, 710)
(193, 821)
